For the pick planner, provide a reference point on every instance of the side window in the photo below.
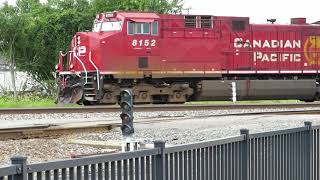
(190, 21)
(130, 28)
(145, 28)
(238, 25)
(138, 29)
(154, 28)
(141, 28)
(206, 22)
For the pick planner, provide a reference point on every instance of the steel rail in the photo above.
(146, 108)
(43, 131)
(52, 130)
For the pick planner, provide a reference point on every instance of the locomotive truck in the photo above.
(174, 58)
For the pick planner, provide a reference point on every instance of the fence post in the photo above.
(159, 160)
(308, 149)
(22, 170)
(244, 154)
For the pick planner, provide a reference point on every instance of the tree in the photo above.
(32, 33)
(11, 38)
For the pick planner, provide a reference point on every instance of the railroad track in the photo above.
(55, 130)
(50, 131)
(146, 108)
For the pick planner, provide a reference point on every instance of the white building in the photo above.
(23, 81)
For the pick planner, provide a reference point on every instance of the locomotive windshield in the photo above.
(107, 26)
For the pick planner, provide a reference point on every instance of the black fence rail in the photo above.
(279, 155)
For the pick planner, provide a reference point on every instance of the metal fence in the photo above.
(280, 155)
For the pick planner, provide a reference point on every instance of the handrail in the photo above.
(9, 170)
(84, 68)
(59, 164)
(98, 78)
(60, 64)
(63, 54)
(185, 147)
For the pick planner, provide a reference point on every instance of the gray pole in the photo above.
(22, 170)
(159, 160)
(308, 149)
(244, 154)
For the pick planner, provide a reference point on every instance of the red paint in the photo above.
(178, 48)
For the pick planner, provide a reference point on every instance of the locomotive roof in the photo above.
(152, 15)
(139, 15)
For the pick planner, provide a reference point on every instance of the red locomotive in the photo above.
(170, 58)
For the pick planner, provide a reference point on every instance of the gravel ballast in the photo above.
(13, 120)
(187, 127)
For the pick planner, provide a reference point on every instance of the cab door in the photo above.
(143, 44)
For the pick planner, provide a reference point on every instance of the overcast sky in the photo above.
(258, 11)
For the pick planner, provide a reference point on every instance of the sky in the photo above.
(257, 10)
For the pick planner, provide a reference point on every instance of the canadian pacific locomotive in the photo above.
(171, 58)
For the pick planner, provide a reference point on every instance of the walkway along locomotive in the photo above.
(169, 58)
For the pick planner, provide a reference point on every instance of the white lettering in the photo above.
(284, 57)
(145, 43)
(296, 44)
(237, 43)
(265, 57)
(247, 44)
(297, 57)
(270, 55)
(257, 55)
(240, 43)
(274, 43)
(266, 44)
(82, 50)
(288, 44)
(281, 43)
(273, 57)
(134, 42)
(257, 43)
(153, 43)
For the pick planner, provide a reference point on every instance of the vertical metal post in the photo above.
(308, 149)
(244, 154)
(234, 91)
(159, 161)
(22, 170)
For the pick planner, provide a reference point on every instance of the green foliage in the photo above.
(26, 101)
(30, 100)
(32, 33)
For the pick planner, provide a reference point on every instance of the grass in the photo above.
(7, 101)
(26, 102)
